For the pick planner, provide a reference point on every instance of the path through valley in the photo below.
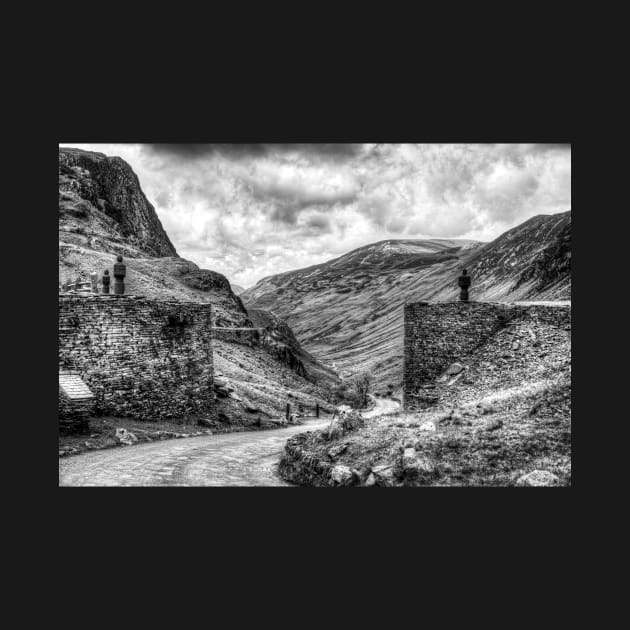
(230, 459)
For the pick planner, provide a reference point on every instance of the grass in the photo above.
(492, 442)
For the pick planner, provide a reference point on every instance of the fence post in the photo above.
(288, 411)
(317, 410)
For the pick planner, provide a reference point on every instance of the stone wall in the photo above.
(439, 334)
(243, 336)
(74, 414)
(142, 358)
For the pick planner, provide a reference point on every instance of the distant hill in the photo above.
(236, 289)
(348, 311)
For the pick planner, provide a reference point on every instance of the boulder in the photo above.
(122, 436)
(428, 426)
(538, 478)
(341, 475)
(454, 368)
(414, 466)
(335, 451)
(493, 425)
(384, 475)
(370, 481)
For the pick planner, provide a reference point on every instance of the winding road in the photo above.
(229, 459)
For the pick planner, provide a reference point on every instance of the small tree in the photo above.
(362, 384)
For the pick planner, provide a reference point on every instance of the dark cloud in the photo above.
(251, 210)
(335, 151)
(289, 200)
(543, 148)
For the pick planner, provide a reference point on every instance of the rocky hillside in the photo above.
(103, 212)
(103, 207)
(530, 262)
(348, 312)
(502, 418)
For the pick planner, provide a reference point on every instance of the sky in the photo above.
(253, 210)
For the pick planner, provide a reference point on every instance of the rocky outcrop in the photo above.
(100, 197)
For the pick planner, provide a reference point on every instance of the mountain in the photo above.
(348, 311)
(236, 289)
(529, 262)
(101, 202)
(103, 213)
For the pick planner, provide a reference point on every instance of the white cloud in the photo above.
(249, 211)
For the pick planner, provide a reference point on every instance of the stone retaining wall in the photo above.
(142, 358)
(243, 336)
(439, 334)
(74, 414)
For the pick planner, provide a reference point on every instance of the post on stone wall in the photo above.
(94, 281)
(120, 270)
(288, 411)
(317, 410)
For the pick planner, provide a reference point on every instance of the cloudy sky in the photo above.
(253, 210)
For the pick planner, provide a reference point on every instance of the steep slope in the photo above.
(102, 205)
(103, 212)
(348, 311)
(531, 261)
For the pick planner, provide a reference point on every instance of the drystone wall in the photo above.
(142, 358)
(440, 334)
(243, 336)
(74, 414)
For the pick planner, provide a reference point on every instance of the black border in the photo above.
(350, 108)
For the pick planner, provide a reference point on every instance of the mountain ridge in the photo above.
(348, 311)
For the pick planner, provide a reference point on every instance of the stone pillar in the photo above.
(464, 284)
(120, 271)
(106, 280)
(94, 281)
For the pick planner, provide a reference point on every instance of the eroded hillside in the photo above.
(348, 312)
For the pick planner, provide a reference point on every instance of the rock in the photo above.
(454, 368)
(341, 475)
(515, 345)
(335, 451)
(428, 426)
(384, 475)
(414, 466)
(370, 481)
(538, 478)
(457, 418)
(122, 436)
(485, 408)
(493, 425)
